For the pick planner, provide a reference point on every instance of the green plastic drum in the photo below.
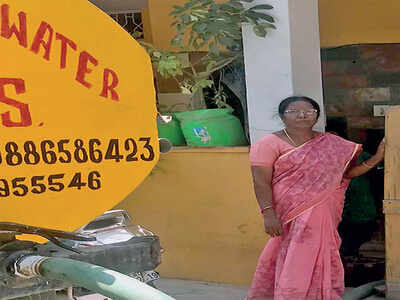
(171, 131)
(211, 127)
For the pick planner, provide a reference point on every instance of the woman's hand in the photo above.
(380, 152)
(272, 224)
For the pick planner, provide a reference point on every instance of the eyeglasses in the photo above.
(309, 112)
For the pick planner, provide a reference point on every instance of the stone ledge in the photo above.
(237, 149)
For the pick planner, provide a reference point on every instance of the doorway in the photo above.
(356, 82)
(362, 226)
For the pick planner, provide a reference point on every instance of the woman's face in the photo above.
(300, 114)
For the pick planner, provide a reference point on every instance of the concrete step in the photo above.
(199, 290)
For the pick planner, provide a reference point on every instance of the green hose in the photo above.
(363, 291)
(109, 283)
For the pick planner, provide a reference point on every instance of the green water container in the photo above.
(171, 131)
(211, 127)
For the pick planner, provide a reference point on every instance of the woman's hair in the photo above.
(285, 103)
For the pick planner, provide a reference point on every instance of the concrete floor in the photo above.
(197, 290)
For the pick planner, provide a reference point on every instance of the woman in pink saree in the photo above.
(300, 178)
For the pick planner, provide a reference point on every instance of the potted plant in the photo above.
(216, 27)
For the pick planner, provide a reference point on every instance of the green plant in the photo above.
(205, 24)
(218, 25)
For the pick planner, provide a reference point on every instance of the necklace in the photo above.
(290, 139)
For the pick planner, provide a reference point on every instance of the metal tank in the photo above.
(78, 135)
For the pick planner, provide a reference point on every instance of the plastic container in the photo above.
(171, 131)
(211, 127)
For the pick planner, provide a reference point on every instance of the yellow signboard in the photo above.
(77, 113)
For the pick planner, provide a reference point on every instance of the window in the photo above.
(131, 21)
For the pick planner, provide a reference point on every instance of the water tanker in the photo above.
(78, 134)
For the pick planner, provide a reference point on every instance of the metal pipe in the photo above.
(165, 145)
(362, 291)
(70, 293)
(106, 282)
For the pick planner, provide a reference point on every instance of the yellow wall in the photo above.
(148, 34)
(160, 22)
(201, 204)
(342, 22)
(359, 21)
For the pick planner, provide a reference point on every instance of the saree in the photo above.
(308, 194)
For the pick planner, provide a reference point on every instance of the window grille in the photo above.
(131, 21)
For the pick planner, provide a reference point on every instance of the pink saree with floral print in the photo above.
(308, 194)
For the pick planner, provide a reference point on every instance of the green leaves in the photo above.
(214, 48)
(166, 63)
(169, 66)
(190, 87)
(257, 17)
(201, 84)
(215, 26)
(259, 30)
(262, 6)
(235, 4)
(218, 26)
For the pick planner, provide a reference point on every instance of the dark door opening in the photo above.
(362, 227)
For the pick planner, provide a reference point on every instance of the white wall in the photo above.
(286, 63)
(306, 52)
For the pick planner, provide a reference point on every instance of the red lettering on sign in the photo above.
(65, 42)
(38, 40)
(83, 68)
(23, 108)
(42, 42)
(7, 31)
(110, 87)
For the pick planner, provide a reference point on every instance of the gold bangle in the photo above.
(367, 165)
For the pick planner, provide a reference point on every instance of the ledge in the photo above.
(237, 149)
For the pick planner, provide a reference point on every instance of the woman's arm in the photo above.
(367, 165)
(262, 177)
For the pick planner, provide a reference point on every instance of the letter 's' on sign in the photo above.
(77, 113)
